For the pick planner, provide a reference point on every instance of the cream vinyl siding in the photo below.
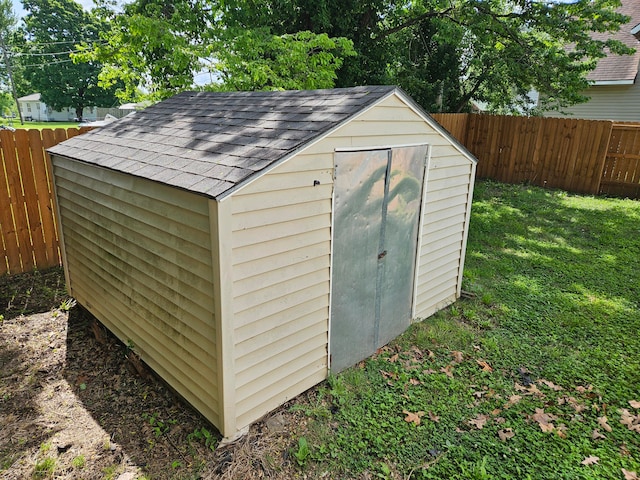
(608, 102)
(138, 256)
(281, 237)
(281, 241)
(445, 224)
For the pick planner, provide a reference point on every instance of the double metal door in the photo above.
(377, 205)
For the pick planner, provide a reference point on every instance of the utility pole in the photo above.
(10, 73)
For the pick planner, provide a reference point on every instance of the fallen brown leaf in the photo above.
(544, 420)
(505, 434)
(590, 460)
(582, 389)
(413, 381)
(602, 421)
(393, 358)
(634, 403)
(413, 417)
(550, 385)
(628, 475)
(458, 357)
(433, 417)
(513, 399)
(448, 370)
(484, 365)
(561, 430)
(630, 420)
(390, 375)
(577, 406)
(595, 435)
(479, 421)
(546, 427)
(530, 390)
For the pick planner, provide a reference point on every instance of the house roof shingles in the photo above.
(209, 142)
(620, 68)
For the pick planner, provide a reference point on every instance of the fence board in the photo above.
(28, 233)
(621, 172)
(45, 197)
(19, 237)
(560, 153)
(455, 123)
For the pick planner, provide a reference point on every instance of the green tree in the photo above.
(157, 47)
(8, 94)
(448, 52)
(52, 29)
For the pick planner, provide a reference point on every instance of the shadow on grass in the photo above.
(564, 270)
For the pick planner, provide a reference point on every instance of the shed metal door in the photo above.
(377, 202)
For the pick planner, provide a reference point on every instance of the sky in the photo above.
(19, 11)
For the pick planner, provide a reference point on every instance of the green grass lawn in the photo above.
(41, 125)
(537, 376)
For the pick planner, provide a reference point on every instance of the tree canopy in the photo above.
(445, 53)
(155, 47)
(51, 30)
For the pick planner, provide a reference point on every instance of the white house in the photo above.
(615, 90)
(33, 108)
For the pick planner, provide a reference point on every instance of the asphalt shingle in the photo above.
(210, 142)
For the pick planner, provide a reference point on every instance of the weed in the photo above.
(110, 472)
(44, 468)
(301, 454)
(67, 304)
(79, 462)
(158, 426)
(203, 435)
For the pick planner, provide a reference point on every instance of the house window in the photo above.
(28, 107)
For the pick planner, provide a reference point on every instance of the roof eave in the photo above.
(612, 82)
(303, 146)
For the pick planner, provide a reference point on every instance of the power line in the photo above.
(25, 54)
(56, 62)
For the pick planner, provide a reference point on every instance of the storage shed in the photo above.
(248, 242)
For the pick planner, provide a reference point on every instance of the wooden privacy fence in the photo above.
(582, 156)
(621, 172)
(28, 231)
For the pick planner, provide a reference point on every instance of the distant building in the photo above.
(615, 90)
(34, 109)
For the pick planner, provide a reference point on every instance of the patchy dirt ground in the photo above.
(73, 405)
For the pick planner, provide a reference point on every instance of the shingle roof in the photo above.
(210, 142)
(34, 97)
(616, 68)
